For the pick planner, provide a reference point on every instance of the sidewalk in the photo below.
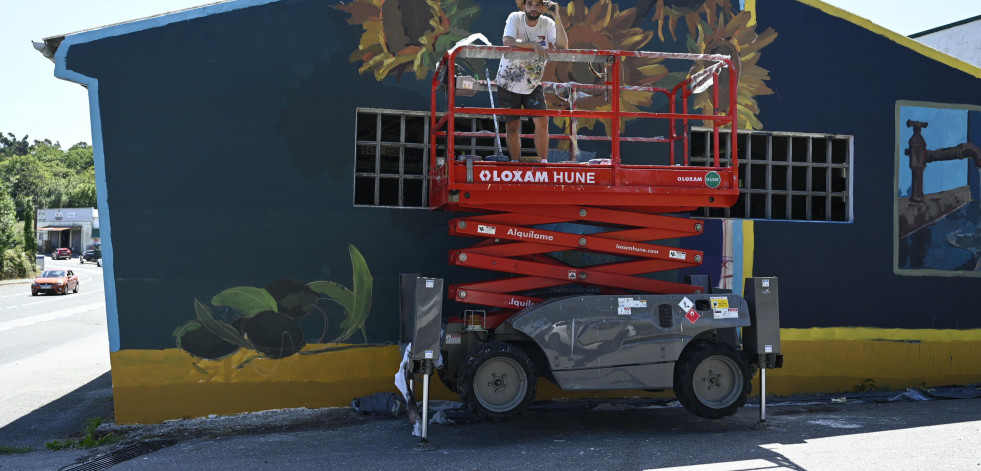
(16, 282)
(895, 430)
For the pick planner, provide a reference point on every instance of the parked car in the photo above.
(63, 253)
(90, 255)
(55, 282)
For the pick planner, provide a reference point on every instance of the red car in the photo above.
(62, 253)
(55, 282)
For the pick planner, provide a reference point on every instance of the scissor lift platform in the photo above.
(519, 205)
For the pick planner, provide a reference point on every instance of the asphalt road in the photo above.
(50, 346)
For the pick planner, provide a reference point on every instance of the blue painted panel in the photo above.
(947, 128)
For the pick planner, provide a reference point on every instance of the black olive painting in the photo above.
(269, 322)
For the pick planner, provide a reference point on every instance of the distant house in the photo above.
(73, 228)
(261, 146)
(961, 39)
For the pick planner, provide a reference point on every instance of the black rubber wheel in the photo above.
(451, 385)
(497, 381)
(711, 380)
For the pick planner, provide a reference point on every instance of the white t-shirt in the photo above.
(522, 76)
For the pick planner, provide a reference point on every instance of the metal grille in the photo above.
(118, 456)
(390, 162)
(784, 176)
(665, 315)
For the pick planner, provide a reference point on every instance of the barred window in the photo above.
(784, 176)
(390, 163)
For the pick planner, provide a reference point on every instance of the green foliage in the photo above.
(10, 145)
(46, 174)
(14, 450)
(30, 235)
(91, 438)
(8, 217)
(17, 265)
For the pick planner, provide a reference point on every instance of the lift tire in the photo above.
(711, 380)
(497, 381)
(443, 374)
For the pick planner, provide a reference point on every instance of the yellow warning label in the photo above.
(719, 302)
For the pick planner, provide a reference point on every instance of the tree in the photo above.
(10, 146)
(8, 217)
(30, 234)
(25, 176)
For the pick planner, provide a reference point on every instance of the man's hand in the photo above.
(540, 50)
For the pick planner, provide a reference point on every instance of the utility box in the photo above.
(421, 316)
(763, 336)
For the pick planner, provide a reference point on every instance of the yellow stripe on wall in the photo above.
(848, 359)
(151, 386)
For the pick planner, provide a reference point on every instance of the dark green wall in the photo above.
(229, 150)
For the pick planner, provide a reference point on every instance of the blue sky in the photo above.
(35, 103)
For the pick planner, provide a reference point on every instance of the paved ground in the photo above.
(813, 433)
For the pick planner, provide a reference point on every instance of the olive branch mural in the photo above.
(266, 320)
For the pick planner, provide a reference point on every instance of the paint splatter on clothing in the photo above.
(522, 76)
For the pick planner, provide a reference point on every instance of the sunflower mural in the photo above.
(604, 26)
(672, 11)
(737, 39)
(404, 35)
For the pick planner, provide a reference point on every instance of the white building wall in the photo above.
(961, 41)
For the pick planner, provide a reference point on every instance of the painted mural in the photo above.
(260, 307)
(411, 35)
(278, 320)
(938, 202)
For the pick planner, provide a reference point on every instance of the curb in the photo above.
(15, 282)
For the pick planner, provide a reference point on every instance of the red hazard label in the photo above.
(692, 316)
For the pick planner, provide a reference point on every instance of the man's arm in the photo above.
(512, 42)
(561, 38)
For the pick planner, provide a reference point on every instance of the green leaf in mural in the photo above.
(336, 292)
(221, 329)
(248, 300)
(363, 284)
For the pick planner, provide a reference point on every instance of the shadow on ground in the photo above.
(65, 417)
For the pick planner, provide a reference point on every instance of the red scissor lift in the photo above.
(628, 201)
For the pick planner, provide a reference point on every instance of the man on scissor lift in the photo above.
(519, 81)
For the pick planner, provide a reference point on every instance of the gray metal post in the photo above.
(762, 424)
(424, 445)
(762, 395)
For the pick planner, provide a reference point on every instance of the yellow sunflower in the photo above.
(604, 26)
(402, 35)
(690, 10)
(738, 40)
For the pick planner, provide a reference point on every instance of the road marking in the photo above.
(728, 466)
(50, 316)
(28, 304)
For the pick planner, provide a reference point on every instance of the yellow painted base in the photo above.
(151, 386)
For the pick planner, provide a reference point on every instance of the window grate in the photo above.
(784, 176)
